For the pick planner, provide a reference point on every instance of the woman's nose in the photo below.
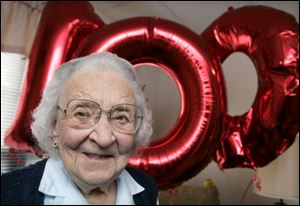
(102, 133)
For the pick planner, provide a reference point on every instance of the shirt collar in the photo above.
(57, 183)
(53, 177)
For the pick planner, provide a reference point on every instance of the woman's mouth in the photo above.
(98, 156)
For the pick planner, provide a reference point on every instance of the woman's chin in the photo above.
(97, 177)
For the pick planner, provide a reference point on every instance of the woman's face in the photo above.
(97, 155)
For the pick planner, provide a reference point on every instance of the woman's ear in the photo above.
(55, 128)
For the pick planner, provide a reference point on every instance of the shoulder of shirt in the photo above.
(26, 171)
(15, 183)
(138, 175)
(150, 194)
(142, 178)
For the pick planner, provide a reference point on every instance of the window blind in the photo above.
(12, 71)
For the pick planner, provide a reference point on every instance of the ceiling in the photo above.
(196, 15)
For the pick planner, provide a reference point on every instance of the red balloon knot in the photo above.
(230, 8)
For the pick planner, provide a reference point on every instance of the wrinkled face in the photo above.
(96, 155)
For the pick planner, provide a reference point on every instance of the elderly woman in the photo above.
(92, 116)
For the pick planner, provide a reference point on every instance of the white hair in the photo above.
(44, 116)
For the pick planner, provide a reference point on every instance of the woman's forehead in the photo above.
(104, 87)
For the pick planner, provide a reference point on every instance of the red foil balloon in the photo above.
(63, 27)
(270, 38)
(189, 147)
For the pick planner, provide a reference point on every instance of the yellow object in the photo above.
(209, 184)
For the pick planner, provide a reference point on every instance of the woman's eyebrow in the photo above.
(120, 108)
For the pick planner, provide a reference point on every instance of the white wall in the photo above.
(163, 97)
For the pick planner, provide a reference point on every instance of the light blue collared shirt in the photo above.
(59, 189)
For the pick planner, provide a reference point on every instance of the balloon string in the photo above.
(245, 192)
(227, 180)
(173, 193)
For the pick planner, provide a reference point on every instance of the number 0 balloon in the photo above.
(270, 38)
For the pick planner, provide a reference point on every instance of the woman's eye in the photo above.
(81, 115)
(121, 118)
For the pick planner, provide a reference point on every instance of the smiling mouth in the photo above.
(98, 157)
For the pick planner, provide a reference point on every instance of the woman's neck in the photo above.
(98, 196)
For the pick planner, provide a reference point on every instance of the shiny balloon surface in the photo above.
(203, 130)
